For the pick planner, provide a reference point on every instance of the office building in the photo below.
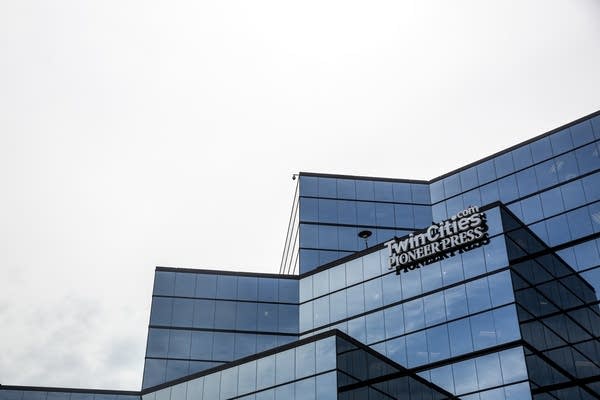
(481, 284)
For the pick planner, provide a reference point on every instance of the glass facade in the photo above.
(515, 317)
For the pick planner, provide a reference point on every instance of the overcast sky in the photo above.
(144, 133)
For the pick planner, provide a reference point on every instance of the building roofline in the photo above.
(460, 169)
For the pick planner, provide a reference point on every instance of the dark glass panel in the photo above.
(384, 214)
(541, 149)
(346, 212)
(486, 172)
(225, 315)
(365, 213)
(383, 191)
(185, 284)
(588, 158)
(460, 337)
(288, 290)
(223, 346)
(375, 327)
(566, 165)
(532, 209)
(327, 187)
(328, 211)
(204, 314)
(161, 311)
(573, 194)
(422, 216)
(438, 343)
(346, 189)
(437, 191)
(489, 193)
(546, 174)
(348, 238)
(468, 179)
(465, 376)
(579, 223)
(288, 318)
(267, 289)
(267, 317)
(364, 190)
(552, 202)
(154, 372)
(226, 287)
(561, 141)
(451, 185)
(328, 238)
(164, 283)
(309, 186)
(591, 186)
(246, 316)
(179, 343)
(245, 345)
(420, 193)
(522, 157)
(309, 235)
(582, 133)
(526, 182)
(508, 188)
(416, 345)
(183, 312)
(402, 192)
(202, 344)
(158, 342)
(357, 329)
(309, 209)
(504, 164)
(206, 285)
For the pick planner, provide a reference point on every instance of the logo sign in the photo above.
(462, 232)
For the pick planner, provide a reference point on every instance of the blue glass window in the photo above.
(415, 349)
(346, 189)
(204, 314)
(468, 179)
(483, 331)
(552, 202)
(267, 289)
(526, 182)
(396, 350)
(588, 158)
(375, 327)
(288, 290)
(478, 295)
(434, 309)
(438, 343)
(356, 300)
(414, 316)
(561, 141)
(245, 345)
(225, 314)
(288, 318)
(164, 283)
(161, 311)
(223, 346)
(504, 164)
(247, 377)
(383, 191)
(364, 190)
(357, 329)
(158, 342)
(507, 187)
(566, 165)
(465, 376)
(394, 321)
(226, 287)
(437, 191)
(451, 185)
(247, 288)
(305, 360)
(456, 302)
(486, 172)
(420, 193)
(202, 344)
(321, 311)
(328, 211)
(179, 344)
(532, 209)
(346, 212)
(206, 286)
(522, 157)
(183, 312)
(402, 192)
(488, 371)
(185, 284)
(246, 317)
(459, 333)
(327, 187)
(546, 174)
(309, 186)
(373, 295)
(541, 149)
(309, 210)
(582, 133)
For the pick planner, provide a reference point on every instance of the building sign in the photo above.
(462, 232)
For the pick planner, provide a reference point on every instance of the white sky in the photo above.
(144, 133)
